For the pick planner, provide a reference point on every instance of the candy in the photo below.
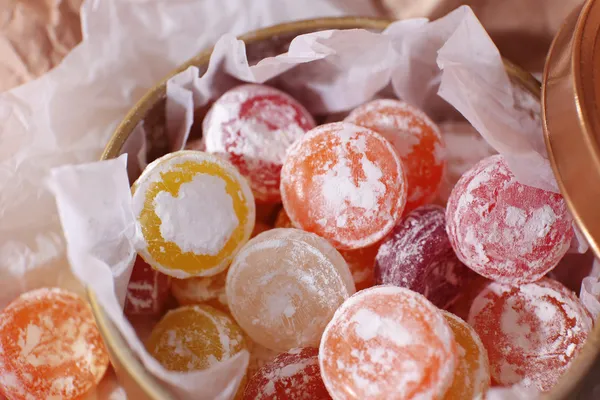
(472, 376)
(50, 347)
(531, 332)
(417, 255)
(388, 343)
(344, 183)
(147, 291)
(209, 290)
(253, 126)
(259, 357)
(195, 338)
(284, 286)
(293, 375)
(416, 139)
(503, 230)
(195, 211)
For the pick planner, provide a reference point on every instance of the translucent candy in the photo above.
(472, 376)
(417, 255)
(148, 290)
(531, 332)
(50, 347)
(253, 126)
(388, 343)
(195, 338)
(416, 139)
(195, 212)
(503, 230)
(284, 286)
(293, 375)
(204, 290)
(344, 183)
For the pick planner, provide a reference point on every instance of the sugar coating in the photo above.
(284, 286)
(293, 375)
(194, 211)
(147, 290)
(50, 347)
(387, 342)
(531, 332)
(417, 255)
(253, 126)
(415, 137)
(504, 230)
(344, 183)
(206, 289)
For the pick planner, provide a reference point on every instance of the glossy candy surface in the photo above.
(253, 126)
(284, 286)
(50, 347)
(503, 230)
(531, 332)
(344, 183)
(416, 139)
(195, 211)
(148, 290)
(388, 343)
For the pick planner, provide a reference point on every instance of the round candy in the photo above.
(388, 343)
(209, 290)
(195, 338)
(416, 139)
(50, 347)
(503, 230)
(345, 183)
(284, 286)
(417, 255)
(253, 126)
(472, 376)
(195, 211)
(293, 375)
(147, 290)
(531, 332)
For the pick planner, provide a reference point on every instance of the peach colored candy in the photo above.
(284, 286)
(50, 347)
(472, 376)
(345, 183)
(204, 290)
(147, 291)
(293, 375)
(388, 343)
(416, 139)
(531, 332)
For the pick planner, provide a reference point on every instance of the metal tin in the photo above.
(138, 382)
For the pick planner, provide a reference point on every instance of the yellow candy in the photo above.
(472, 376)
(195, 338)
(195, 211)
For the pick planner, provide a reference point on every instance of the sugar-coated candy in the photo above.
(253, 126)
(195, 212)
(388, 343)
(416, 139)
(417, 255)
(284, 286)
(504, 230)
(294, 375)
(472, 376)
(531, 332)
(50, 347)
(194, 338)
(345, 183)
(203, 290)
(147, 291)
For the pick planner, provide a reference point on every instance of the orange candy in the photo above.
(416, 139)
(345, 183)
(472, 376)
(50, 347)
(388, 343)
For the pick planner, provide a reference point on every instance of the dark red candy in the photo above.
(417, 255)
(148, 290)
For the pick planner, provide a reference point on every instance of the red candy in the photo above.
(147, 291)
(504, 230)
(531, 332)
(294, 375)
(253, 126)
(417, 255)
